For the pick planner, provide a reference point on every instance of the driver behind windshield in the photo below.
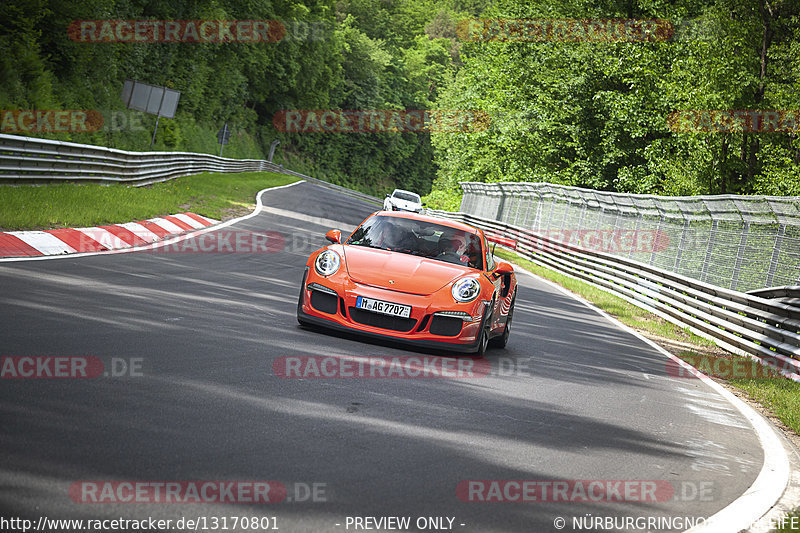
(453, 248)
(395, 237)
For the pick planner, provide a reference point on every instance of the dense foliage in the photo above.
(595, 114)
(580, 112)
(352, 54)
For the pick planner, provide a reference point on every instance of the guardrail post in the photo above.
(516, 200)
(737, 267)
(550, 216)
(502, 204)
(565, 215)
(709, 249)
(534, 201)
(681, 246)
(776, 252)
(537, 220)
(636, 233)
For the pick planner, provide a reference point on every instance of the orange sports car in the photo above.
(418, 279)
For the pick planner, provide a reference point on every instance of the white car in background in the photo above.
(401, 200)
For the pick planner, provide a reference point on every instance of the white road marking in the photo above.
(189, 220)
(140, 231)
(44, 242)
(167, 225)
(104, 237)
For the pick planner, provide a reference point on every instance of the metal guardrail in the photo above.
(739, 242)
(789, 295)
(739, 322)
(29, 160)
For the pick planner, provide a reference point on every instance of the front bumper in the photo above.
(339, 312)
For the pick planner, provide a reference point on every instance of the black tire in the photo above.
(501, 340)
(483, 337)
(483, 341)
(300, 304)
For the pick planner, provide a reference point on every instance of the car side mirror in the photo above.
(503, 268)
(388, 196)
(424, 204)
(334, 235)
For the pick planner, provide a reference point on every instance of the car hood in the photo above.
(410, 273)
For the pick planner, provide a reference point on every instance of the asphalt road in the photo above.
(572, 397)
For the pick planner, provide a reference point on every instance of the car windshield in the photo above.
(407, 196)
(416, 237)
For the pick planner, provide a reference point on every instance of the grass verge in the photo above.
(215, 195)
(777, 396)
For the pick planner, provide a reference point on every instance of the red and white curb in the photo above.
(98, 239)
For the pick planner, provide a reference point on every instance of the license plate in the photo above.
(385, 308)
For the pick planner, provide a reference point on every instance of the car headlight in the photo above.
(466, 290)
(327, 263)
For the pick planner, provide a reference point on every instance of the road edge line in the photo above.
(775, 471)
